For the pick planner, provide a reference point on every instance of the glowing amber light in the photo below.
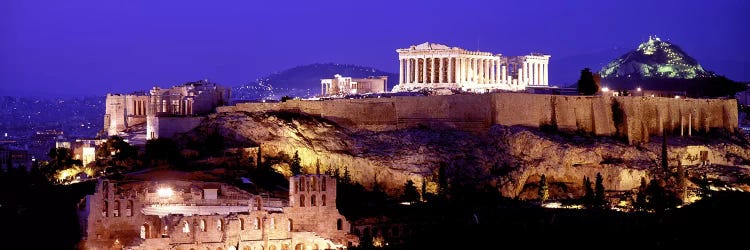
(165, 192)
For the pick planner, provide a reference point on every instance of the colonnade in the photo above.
(468, 69)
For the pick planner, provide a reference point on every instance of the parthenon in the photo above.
(437, 66)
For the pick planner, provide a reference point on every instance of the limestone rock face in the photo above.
(507, 158)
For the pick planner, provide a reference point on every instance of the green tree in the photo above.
(543, 189)
(640, 202)
(317, 166)
(656, 196)
(347, 178)
(60, 159)
(664, 162)
(424, 188)
(680, 182)
(162, 151)
(588, 197)
(410, 192)
(599, 192)
(295, 166)
(586, 83)
(442, 181)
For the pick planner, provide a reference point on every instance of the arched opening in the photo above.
(272, 247)
(219, 225)
(301, 184)
(203, 225)
(315, 247)
(291, 225)
(256, 223)
(284, 246)
(301, 200)
(129, 208)
(314, 186)
(299, 246)
(116, 209)
(186, 227)
(323, 184)
(232, 248)
(312, 200)
(323, 200)
(258, 205)
(105, 208)
(145, 231)
(246, 248)
(339, 224)
(218, 248)
(242, 224)
(273, 223)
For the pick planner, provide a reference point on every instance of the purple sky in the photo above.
(94, 47)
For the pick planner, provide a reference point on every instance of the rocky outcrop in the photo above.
(508, 158)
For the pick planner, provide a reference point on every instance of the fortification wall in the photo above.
(114, 111)
(635, 118)
(167, 127)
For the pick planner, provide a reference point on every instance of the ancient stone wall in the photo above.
(169, 126)
(634, 118)
(137, 216)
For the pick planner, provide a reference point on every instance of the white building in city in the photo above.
(436, 66)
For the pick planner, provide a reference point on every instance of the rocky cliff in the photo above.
(510, 159)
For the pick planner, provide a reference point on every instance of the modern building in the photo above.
(13, 157)
(437, 66)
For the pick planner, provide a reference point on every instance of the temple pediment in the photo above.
(429, 46)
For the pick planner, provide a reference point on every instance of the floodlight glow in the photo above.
(605, 89)
(165, 192)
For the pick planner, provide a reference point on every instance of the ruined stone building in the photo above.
(340, 85)
(164, 112)
(437, 66)
(216, 216)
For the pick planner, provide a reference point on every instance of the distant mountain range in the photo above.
(302, 81)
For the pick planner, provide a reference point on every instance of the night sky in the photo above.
(94, 47)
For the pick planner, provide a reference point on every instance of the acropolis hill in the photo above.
(635, 118)
(486, 139)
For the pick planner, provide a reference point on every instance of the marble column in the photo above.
(525, 72)
(439, 70)
(450, 69)
(532, 79)
(492, 71)
(546, 74)
(432, 70)
(400, 71)
(539, 74)
(424, 70)
(457, 69)
(407, 71)
(503, 71)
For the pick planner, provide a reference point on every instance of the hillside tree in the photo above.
(543, 190)
(295, 167)
(586, 83)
